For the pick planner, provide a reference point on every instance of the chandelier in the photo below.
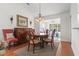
(39, 18)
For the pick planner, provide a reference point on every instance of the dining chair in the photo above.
(33, 41)
(50, 40)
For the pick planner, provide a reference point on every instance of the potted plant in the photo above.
(3, 45)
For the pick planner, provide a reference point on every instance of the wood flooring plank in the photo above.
(64, 49)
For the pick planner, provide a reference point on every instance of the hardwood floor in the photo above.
(64, 49)
(10, 51)
(15, 48)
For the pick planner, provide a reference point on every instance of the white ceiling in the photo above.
(48, 8)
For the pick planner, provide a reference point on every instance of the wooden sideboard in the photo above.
(20, 34)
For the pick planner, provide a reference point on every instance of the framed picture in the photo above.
(22, 21)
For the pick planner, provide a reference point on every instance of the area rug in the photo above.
(46, 51)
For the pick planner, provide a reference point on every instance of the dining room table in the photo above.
(42, 37)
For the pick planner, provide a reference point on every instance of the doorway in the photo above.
(52, 24)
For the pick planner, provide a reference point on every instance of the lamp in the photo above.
(30, 22)
(11, 19)
(39, 17)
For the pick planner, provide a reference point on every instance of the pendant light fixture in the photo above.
(39, 18)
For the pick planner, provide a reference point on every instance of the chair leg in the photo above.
(40, 45)
(51, 45)
(45, 43)
(28, 46)
(33, 49)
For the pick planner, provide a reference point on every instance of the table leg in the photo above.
(42, 42)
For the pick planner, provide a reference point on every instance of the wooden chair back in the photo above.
(53, 33)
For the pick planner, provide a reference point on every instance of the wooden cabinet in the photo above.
(20, 34)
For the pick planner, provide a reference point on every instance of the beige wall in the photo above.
(8, 10)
